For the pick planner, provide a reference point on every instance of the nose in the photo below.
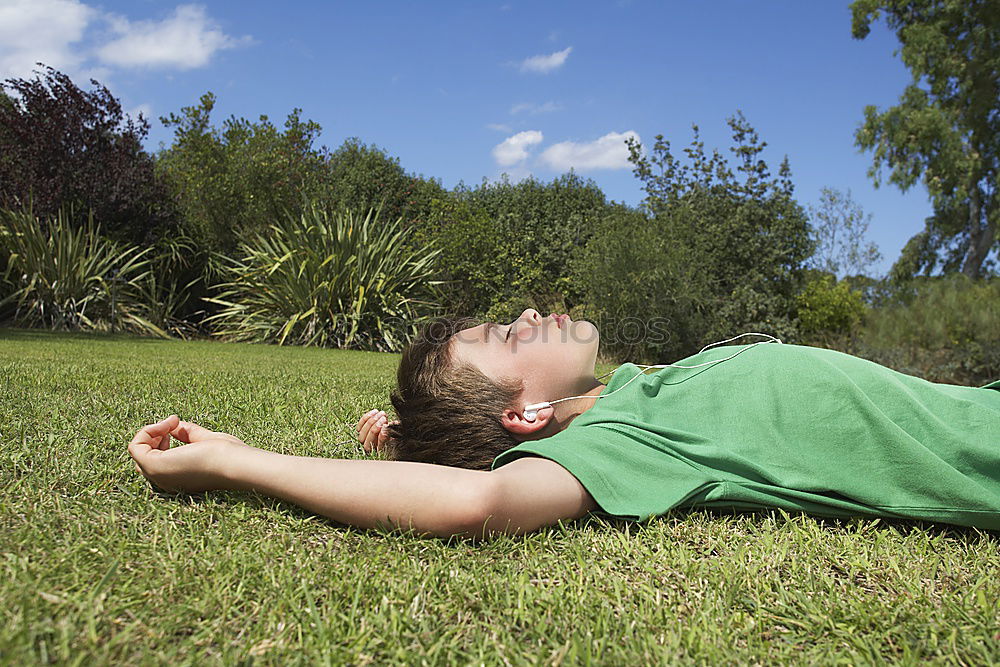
(531, 315)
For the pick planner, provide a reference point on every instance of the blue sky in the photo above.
(463, 91)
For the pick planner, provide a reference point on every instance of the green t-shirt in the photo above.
(785, 426)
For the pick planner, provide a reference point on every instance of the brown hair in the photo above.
(449, 413)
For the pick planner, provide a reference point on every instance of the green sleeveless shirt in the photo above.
(785, 426)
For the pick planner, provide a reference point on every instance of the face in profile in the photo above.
(551, 355)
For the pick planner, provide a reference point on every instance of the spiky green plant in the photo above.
(67, 277)
(328, 279)
(168, 292)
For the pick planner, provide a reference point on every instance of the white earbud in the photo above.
(531, 411)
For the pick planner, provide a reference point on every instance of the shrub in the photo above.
(827, 307)
(170, 290)
(359, 176)
(645, 293)
(510, 244)
(734, 221)
(61, 276)
(230, 182)
(62, 146)
(949, 331)
(471, 257)
(329, 279)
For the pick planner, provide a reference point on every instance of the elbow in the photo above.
(478, 510)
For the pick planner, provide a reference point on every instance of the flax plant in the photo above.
(62, 276)
(169, 291)
(328, 279)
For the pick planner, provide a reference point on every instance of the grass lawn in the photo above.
(97, 568)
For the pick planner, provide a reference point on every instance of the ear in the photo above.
(515, 422)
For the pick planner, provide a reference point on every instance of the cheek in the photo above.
(584, 335)
(553, 350)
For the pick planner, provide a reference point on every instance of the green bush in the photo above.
(64, 277)
(230, 182)
(329, 279)
(359, 176)
(703, 269)
(948, 331)
(6, 285)
(469, 243)
(827, 307)
(508, 245)
(170, 292)
(643, 292)
(737, 237)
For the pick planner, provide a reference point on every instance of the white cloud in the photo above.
(515, 149)
(545, 64)
(63, 34)
(186, 40)
(608, 152)
(34, 31)
(499, 127)
(533, 109)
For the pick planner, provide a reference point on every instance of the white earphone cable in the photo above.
(530, 411)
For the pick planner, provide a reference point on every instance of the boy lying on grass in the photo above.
(750, 427)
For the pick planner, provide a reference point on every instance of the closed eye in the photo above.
(507, 337)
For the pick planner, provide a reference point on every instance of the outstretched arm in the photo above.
(522, 496)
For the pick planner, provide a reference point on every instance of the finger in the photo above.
(164, 442)
(152, 433)
(363, 431)
(377, 428)
(142, 454)
(363, 425)
(137, 450)
(372, 437)
(367, 427)
(383, 437)
(365, 417)
(190, 432)
(376, 433)
(384, 434)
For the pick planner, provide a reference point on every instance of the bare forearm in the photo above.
(428, 498)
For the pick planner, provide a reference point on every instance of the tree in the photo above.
(945, 130)
(234, 182)
(648, 294)
(839, 228)
(63, 147)
(742, 230)
(512, 242)
(361, 176)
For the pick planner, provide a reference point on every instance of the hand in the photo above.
(195, 467)
(373, 430)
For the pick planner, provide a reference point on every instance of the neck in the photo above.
(566, 411)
